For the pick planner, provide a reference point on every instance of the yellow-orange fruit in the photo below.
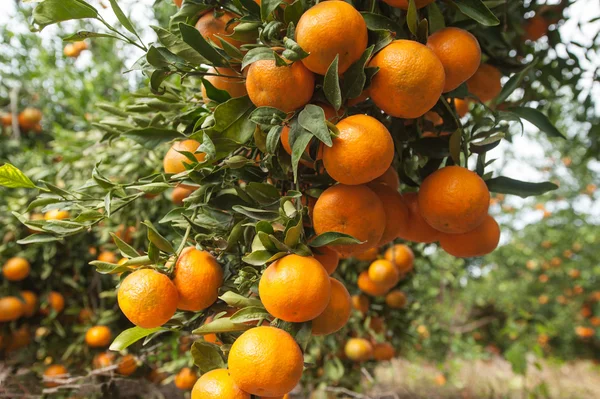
(396, 212)
(54, 371)
(269, 85)
(295, 288)
(231, 82)
(384, 272)
(197, 277)
(368, 286)
(328, 258)
(485, 83)
(218, 27)
(418, 229)
(362, 151)
(30, 303)
(174, 161)
(383, 351)
(478, 242)
(102, 360)
(396, 299)
(98, 336)
(217, 384)
(536, 28)
(459, 52)
(265, 361)
(403, 4)
(107, 256)
(389, 178)
(454, 200)
(16, 269)
(127, 365)
(330, 29)
(358, 349)
(336, 314)
(11, 308)
(55, 302)
(29, 117)
(185, 379)
(180, 193)
(353, 210)
(148, 298)
(361, 303)
(56, 214)
(410, 79)
(462, 107)
(401, 256)
(367, 256)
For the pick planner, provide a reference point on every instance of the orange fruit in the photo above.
(126, 233)
(30, 303)
(54, 302)
(362, 151)
(584, 332)
(185, 379)
(178, 3)
(16, 269)
(357, 100)
(266, 361)
(595, 321)
(462, 107)
(401, 256)
(383, 351)
(418, 229)
(214, 27)
(383, 272)
(107, 256)
(536, 28)
(330, 29)
(174, 161)
(180, 193)
(353, 210)
(328, 258)
(410, 79)
(231, 82)
(389, 178)
(295, 288)
(269, 85)
(396, 212)
(403, 4)
(11, 308)
(197, 277)
(368, 286)
(217, 384)
(485, 83)
(56, 214)
(80, 46)
(454, 200)
(18, 339)
(336, 314)
(29, 117)
(127, 365)
(98, 337)
(361, 303)
(103, 360)
(6, 119)
(358, 349)
(148, 298)
(368, 256)
(396, 299)
(459, 52)
(54, 371)
(478, 242)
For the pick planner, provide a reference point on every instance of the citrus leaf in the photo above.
(207, 356)
(333, 238)
(221, 325)
(506, 185)
(53, 11)
(331, 85)
(539, 120)
(194, 39)
(514, 82)
(125, 249)
(157, 239)
(412, 17)
(478, 11)
(122, 17)
(312, 119)
(251, 313)
(131, 336)
(239, 301)
(436, 18)
(12, 177)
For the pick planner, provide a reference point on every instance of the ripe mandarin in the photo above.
(197, 277)
(336, 314)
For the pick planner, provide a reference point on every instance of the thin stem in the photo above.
(187, 233)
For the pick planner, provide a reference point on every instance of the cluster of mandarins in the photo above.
(28, 119)
(73, 50)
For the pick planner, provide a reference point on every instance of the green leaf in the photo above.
(293, 234)
(273, 138)
(53, 11)
(232, 120)
(267, 116)
(154, 236)
(125, 249)
(331, 85)
(258, 214)
(12, 177)
(293, 51)
(517, 356)
(539, 120)
(38, 238)
(312, 119)
(251, 313)
(151, 188)
(262, 193)
(215, 94)
(239, 301)
(412, 17)
(377, 22)
(514, 82)
(178, 46)
(222, 325)
(257, 54)
(506, 185)
(355, 77)
(478, 11)
(84, 34)
(267, 7)
(455, 145)
(257, 258)
(194, 39)
(131, 336)
(152, 137)
(122, 17)
(207, 356)
(108, 268)
(436, 18)
(301, 142)
(333, 238)
(292, 13)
